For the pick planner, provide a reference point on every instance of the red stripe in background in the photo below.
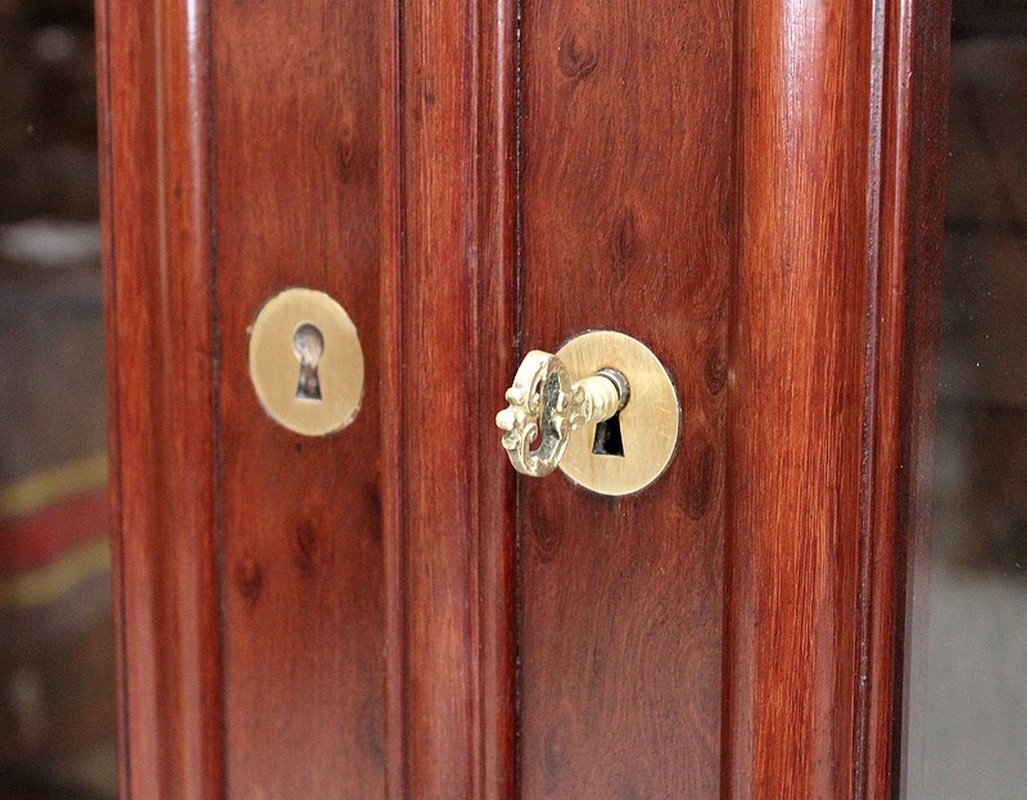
(39, 538)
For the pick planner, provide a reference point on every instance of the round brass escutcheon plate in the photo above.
(649, 423)
(306, 363)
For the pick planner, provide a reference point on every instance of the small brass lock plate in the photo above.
(647, 427)
(306, 362)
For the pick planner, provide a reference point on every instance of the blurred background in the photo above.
(972, 737)
(56, 648)
(56, 665)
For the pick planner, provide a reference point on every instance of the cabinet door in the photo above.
(389, 610)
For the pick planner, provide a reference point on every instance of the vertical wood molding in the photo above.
(839, 180)
(158, 274)
(914, 160)
(440, 453)
(798, 378)
(391, 390)
(448, 299)
(496, 321)
(438, 275)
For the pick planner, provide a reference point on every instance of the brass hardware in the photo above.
(546, 403)
(555, 420)
(306, 363)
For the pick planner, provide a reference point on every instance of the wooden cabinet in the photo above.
(752, 189)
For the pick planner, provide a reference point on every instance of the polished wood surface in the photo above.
(295, 186)
(836, 261)
(625, 224)
(497, 320)
(798, 364)
(749, 189)
(160, 353)
(432, 278)
(914, 165)
(206, 487)
(448, 295)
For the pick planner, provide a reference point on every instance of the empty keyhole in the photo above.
(608, 441)
(309, 344)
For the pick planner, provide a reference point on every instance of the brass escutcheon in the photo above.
(612, 430)
(306, 363)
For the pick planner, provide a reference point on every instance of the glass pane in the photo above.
(56, 652)
(973, 719)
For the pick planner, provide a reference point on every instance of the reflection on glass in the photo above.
(974, 719)
(56, 653)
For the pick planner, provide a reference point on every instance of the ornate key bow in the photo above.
(547, 406)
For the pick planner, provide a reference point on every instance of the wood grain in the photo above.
(435, 276)
(832, 364)
(153, 82)
(272, 162)
(496, 320)
(626, 115)
(797, 397)
(915, 105)
(449, 290)
(752, 190)
(296, 173)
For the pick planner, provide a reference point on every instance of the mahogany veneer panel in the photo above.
(626, 122)
(296, 202)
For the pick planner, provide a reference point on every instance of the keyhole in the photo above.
(608, 441)
(309, 344)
